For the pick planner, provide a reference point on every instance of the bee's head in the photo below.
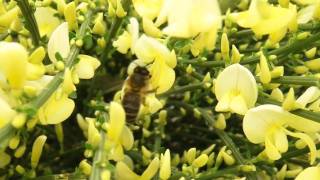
(141, 70)
(140, 76)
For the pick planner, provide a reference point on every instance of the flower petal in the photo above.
(13, 63)
(6, 113)
(59, 42)
(86, 66)
(123, 172)
(257, 121)
(237, 78)
(116, 121)
(310, 173)
(57, 110)
(46, 20)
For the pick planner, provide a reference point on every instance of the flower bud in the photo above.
(265, 76)
(277, 72)
(220, 122)
(37, 148)
(290, 101)
(85, 167)
(191, 155)
(235, 56)
(93, 134)
(277, 95)
(14, 142)
(19, 120)
(145, 152)
(224, 45)
(120, 12)
(313, 64)
(211, 160)
(248, 168)
(37, 55)
(20, 151)
(207, 77)
(311, 53)
(165, 168)
(189, 69)
(59, 132)
(99, 25)
(151, 169)
(228, 159)
(200, 161)
(5, 159)
(20, 169)
(300, 69)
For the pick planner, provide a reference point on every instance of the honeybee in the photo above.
(135, 88)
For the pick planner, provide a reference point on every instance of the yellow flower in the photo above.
(6, 113)
(309, 96)
(266, 124)
(59, 42)
(99, 25)
(116, 121)
(149, 50)
(115, 8)
(35, 67)
(93, 133)
(235, 89)
(264, 18)
(123, 172)
(128, 38)
(119, 135)
(310, 173)
(56, 109)
(195, 17)
(13, 63)
(46, 20)
(86, 66)
(200, 19)
(148, 8)
(70, 15)
(8, 18)
(312, 11)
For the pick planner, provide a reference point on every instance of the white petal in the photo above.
(257, 121)
(59, 42)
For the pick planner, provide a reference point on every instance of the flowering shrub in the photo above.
(225, 89)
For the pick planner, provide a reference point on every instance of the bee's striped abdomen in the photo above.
(131, 105)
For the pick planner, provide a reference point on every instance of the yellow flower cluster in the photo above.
(266, 19)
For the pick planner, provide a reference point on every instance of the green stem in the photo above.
(203, 63)
(297, 153)
(242, 33)
(294, 80)
(99, 158)
(214, 173)
(228, 142)
(116, 24)
(182, 89)
(6, 133)
(30, 21)
(297, 45)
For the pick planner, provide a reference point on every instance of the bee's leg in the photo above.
(151, 90)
